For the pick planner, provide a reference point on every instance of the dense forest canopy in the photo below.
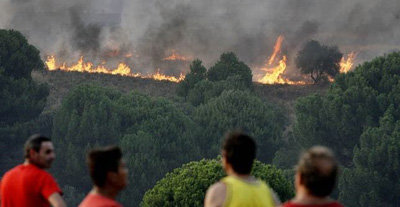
(358, 117)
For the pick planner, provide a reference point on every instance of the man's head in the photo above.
(316, 171)
(39, 151)
(238, 152)
(107, 168)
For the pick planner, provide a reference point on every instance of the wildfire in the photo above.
(122, 69)
(346, 64)
(277, 49)
(159, 76)
(175, 57)
(274, 73)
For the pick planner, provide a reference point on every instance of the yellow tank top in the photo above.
(241, 193)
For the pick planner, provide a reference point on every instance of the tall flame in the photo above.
(274, 76)
(274, 73)
(277, 49)
(122, 69)
(346, 64)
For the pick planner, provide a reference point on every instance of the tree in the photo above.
(154, 135)
(197, 73)
(21, 99)
(187, 185)
(318, 60)
(355, 101)
(206, 90)
(239, 110)
(228, 73)
(17, 57)
(229, 65)
(374, 179)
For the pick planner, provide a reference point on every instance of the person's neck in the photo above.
(28, 162)
(303, 197)
(241, 176)
(108, 192)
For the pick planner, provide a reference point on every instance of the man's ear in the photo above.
(32, 153)
(111, 176)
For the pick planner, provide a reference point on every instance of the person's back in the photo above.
(242, 192)
(239, 188)
(27, 185)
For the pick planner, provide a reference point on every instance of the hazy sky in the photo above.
(202, 29)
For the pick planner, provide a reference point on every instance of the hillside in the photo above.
(60, 82)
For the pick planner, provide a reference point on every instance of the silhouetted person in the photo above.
(29, 184)
(239, 188)
(109, 175)
(315, 179)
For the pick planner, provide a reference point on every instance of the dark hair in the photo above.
(318, 169)
(240, 151)
(34, 142)
(103, 160)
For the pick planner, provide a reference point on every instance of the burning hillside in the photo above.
(168, 35)
(122, 69)
(273, 71)
(276, 65)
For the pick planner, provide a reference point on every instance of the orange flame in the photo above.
(51, 63)
(122, 69)
(275, 76)
(347, 64)
(175, 57)
(159, 76)
(277, 49)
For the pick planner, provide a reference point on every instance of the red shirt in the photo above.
(96, 200)
(27, 185)
(333, 204)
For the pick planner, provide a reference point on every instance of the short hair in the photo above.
(103, 160)
(318, 170)
(34, 142)
(240, 151)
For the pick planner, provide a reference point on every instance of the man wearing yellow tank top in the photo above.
(239, 188)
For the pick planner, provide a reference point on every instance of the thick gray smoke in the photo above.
(108, 30)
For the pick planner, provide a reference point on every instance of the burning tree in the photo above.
(320, 61)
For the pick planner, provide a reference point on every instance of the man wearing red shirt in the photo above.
(109, 175)
(315, 179)
(29, 184)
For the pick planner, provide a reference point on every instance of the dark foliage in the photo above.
(319, 61)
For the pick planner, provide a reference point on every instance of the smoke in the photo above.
(107, 30)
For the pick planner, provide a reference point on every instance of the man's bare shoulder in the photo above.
(215, 195)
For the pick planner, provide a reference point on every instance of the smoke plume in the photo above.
(148, 31)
